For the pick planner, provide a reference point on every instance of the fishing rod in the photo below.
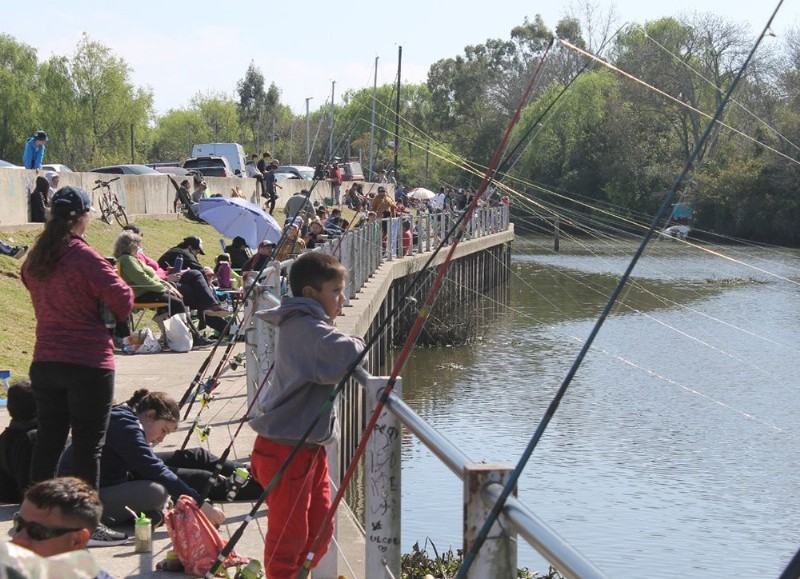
(197, 385)
(224, 456)
(458, 230)
(401, 303)
(511, 482)
(423, 314)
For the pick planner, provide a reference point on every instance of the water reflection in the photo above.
(675, 450)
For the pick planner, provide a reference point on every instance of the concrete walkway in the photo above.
(172, 373)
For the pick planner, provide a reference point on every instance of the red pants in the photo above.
(297, 505)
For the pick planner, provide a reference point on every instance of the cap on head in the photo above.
(266, 243)
(40, 136)
(194, 243)
(381, 189)
(69, 201)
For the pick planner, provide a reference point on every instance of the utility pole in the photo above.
(308, 135)
(397, 113)
(330, 140)
(272, 149)
(371, 174)
(291, 142)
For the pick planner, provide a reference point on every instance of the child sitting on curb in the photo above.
(311, 356)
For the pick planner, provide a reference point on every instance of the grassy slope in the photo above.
(17, 322)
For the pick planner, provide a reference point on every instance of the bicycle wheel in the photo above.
(120, 215)
(104, 209)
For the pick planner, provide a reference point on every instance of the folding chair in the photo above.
(140, 308)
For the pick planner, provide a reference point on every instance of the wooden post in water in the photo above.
(556, 233)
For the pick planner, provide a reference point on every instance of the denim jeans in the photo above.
(76, 397)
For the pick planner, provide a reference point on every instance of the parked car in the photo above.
(125, 170)
(298, 172)
(210, 166)
(7, 165)
(57, 167)
(233, 152)
(351, 171)
(172, 170)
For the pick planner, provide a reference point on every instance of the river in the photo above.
(676, 450)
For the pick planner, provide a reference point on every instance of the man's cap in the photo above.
(40, 136)
(267, 243)
(381, 189)
(49, 175)
(195, 243)
(276, 162)
(69, 201)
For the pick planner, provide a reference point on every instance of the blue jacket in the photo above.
(127, 456)
(33, 156)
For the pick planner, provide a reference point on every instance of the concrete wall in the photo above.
(141, 194)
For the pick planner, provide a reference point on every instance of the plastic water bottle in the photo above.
(236, 481)
(178, 265)
(250, 571)
(109, 321)
(143, 541)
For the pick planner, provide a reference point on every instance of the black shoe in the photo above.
(19, 251)
(202, 342)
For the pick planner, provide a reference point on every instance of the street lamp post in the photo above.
(308, 135)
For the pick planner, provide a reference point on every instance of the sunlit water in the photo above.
(675, 450)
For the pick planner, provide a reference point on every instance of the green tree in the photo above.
(19, 113)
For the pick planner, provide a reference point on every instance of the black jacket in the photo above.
(189, 260)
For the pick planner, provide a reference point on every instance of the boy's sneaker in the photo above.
(105, 537)
(19, 251)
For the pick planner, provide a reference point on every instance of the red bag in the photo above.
(195, 540)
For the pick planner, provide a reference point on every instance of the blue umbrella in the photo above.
(233, 217)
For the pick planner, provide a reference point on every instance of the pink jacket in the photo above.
(67, 307)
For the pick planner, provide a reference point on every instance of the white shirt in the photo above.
(438, 201)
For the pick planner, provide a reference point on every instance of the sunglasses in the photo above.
(37, 531)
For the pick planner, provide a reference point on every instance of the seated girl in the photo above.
(133, 475)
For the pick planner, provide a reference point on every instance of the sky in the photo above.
(179, 48)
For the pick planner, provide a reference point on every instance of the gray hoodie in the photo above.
(311, 356)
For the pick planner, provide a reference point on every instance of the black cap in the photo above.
(69, 201)
(40, 136)
(195, 243)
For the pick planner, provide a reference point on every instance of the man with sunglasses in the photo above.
(57, 516)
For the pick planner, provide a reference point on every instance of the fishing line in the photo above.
(676, 100)
(511, 482)
(710, 83)
(418, 323)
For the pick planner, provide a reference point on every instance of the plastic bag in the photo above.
(141, 342)
(179, 338)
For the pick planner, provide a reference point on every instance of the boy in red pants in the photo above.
(311, 356)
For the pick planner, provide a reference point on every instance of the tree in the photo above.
(18, 95)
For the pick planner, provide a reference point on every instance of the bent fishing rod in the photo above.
(513, 478)
(411, 339)
(458, 229)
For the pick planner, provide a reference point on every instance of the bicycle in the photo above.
(109, 203)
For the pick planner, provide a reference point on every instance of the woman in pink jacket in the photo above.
(72, 373)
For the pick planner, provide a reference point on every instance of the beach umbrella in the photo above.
(234, 217)
(422, 194)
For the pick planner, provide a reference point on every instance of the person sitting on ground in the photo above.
(38, 200)
(16, 442)
(184, 199)
(13, 251)
(132, 474)
(149, 288)
(354, 198)
(298, 205)
(239, 252)
(58, 516)
(335, 224)
(311, 356)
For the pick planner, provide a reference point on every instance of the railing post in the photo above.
(497, 557)
(382, 464)
(259, 337)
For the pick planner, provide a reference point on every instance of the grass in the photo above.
(17, 321)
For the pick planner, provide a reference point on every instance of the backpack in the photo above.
(195, 540)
